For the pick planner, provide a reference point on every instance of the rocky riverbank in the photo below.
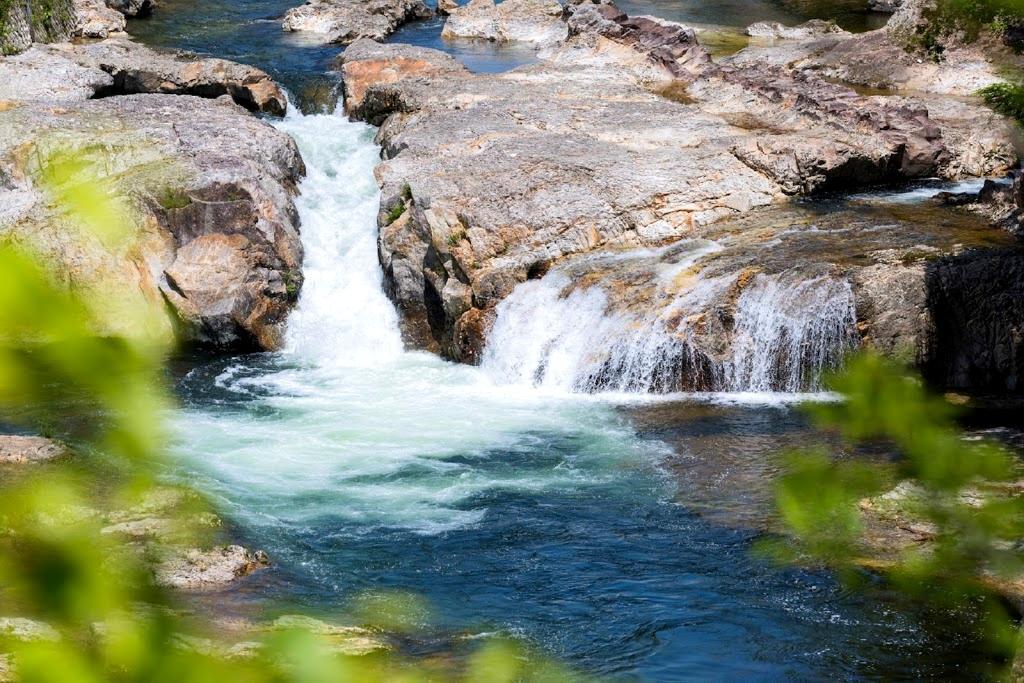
(629, 134)
(209, 186)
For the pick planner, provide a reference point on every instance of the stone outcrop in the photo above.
(203, 570)
(526, 21)
(16, 449)
(118, 66)
(486, 183)
(210, 187)
(345, 21)
(35, 21)
(97, 20)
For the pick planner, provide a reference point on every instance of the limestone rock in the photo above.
(28, 449)
(198, 570)
(528, 21)
(211, 188)
(97, 20)
(35, 21)
(118, 66)
(651, 141)
(345, 21)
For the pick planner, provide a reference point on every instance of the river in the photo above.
(611, 530)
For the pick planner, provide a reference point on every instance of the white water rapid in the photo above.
(786, 329)
(344, 424)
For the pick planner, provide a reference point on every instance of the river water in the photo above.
(611, 530)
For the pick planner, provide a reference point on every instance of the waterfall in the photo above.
(343, 316)
(785, 330)
(789, 329)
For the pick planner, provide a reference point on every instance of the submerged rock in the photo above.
(528, 21)
(198, 570)
(345, 21)
(486, 184)
(773, 30)
(28, 449)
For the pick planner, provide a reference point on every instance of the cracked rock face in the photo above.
(628, 134)
(211, 190)
(210, 186)
(345, 21)
(118, 66)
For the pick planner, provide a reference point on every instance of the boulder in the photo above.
(773, 30)
(202, 570)
(527, 21)
(485, 184)
(345, 21)
(210, 188)
(132, 8)
(119, 66)
(28, 449)
(97, 20)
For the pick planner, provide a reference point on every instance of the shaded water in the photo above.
(613, 531)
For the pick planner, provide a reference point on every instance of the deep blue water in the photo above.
(637, 568)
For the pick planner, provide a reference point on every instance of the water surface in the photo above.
(612, 531)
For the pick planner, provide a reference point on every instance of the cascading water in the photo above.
(779, 335)
(344, 424)
(788, 330)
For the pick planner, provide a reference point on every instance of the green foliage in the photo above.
(1005, 98)
(172, 198)
(971, 16)
(102, 616)
(395, 212)
(973, 554)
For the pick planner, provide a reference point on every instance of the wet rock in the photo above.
(346, 640)
(199, 570)
(28, 449)
(345, 21)
(485, 184)
(1002, 203)
(211, 188)
(773, 30)
(132, 8)
(528, 21)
